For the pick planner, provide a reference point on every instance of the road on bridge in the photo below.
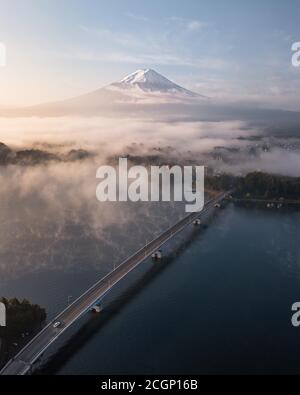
(24, 361)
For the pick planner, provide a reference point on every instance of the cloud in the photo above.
(277, 161)
(136, 17)
(151, 49)
(187, 25)
(195, 25)
(124, 39)
(148, 58)
(111, 136)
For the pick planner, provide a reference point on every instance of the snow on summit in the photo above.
(148, 80)
(147, 76)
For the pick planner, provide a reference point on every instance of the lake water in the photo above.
(220, 305)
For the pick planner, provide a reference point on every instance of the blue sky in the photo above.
(235, 49)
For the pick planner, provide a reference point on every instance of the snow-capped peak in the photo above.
(149, 80)
(145, 76)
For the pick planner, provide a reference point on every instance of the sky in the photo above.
(238, 50)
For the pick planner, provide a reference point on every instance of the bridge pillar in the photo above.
(98, 308)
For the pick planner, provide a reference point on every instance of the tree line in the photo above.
(257, 185)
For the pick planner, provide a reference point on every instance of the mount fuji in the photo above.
(139, 91)
(149, 81)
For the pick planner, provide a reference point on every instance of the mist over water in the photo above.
(49, 213)
(56, 238)
(271, 146)
(52, 226)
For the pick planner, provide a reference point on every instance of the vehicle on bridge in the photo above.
(157, 256)
(197, 222)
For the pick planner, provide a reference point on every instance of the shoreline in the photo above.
(267, 204)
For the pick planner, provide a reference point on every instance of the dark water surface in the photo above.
(221, 305)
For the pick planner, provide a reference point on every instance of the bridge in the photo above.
(24, 361)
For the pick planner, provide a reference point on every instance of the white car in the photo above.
(56, 324)
(157, 256)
